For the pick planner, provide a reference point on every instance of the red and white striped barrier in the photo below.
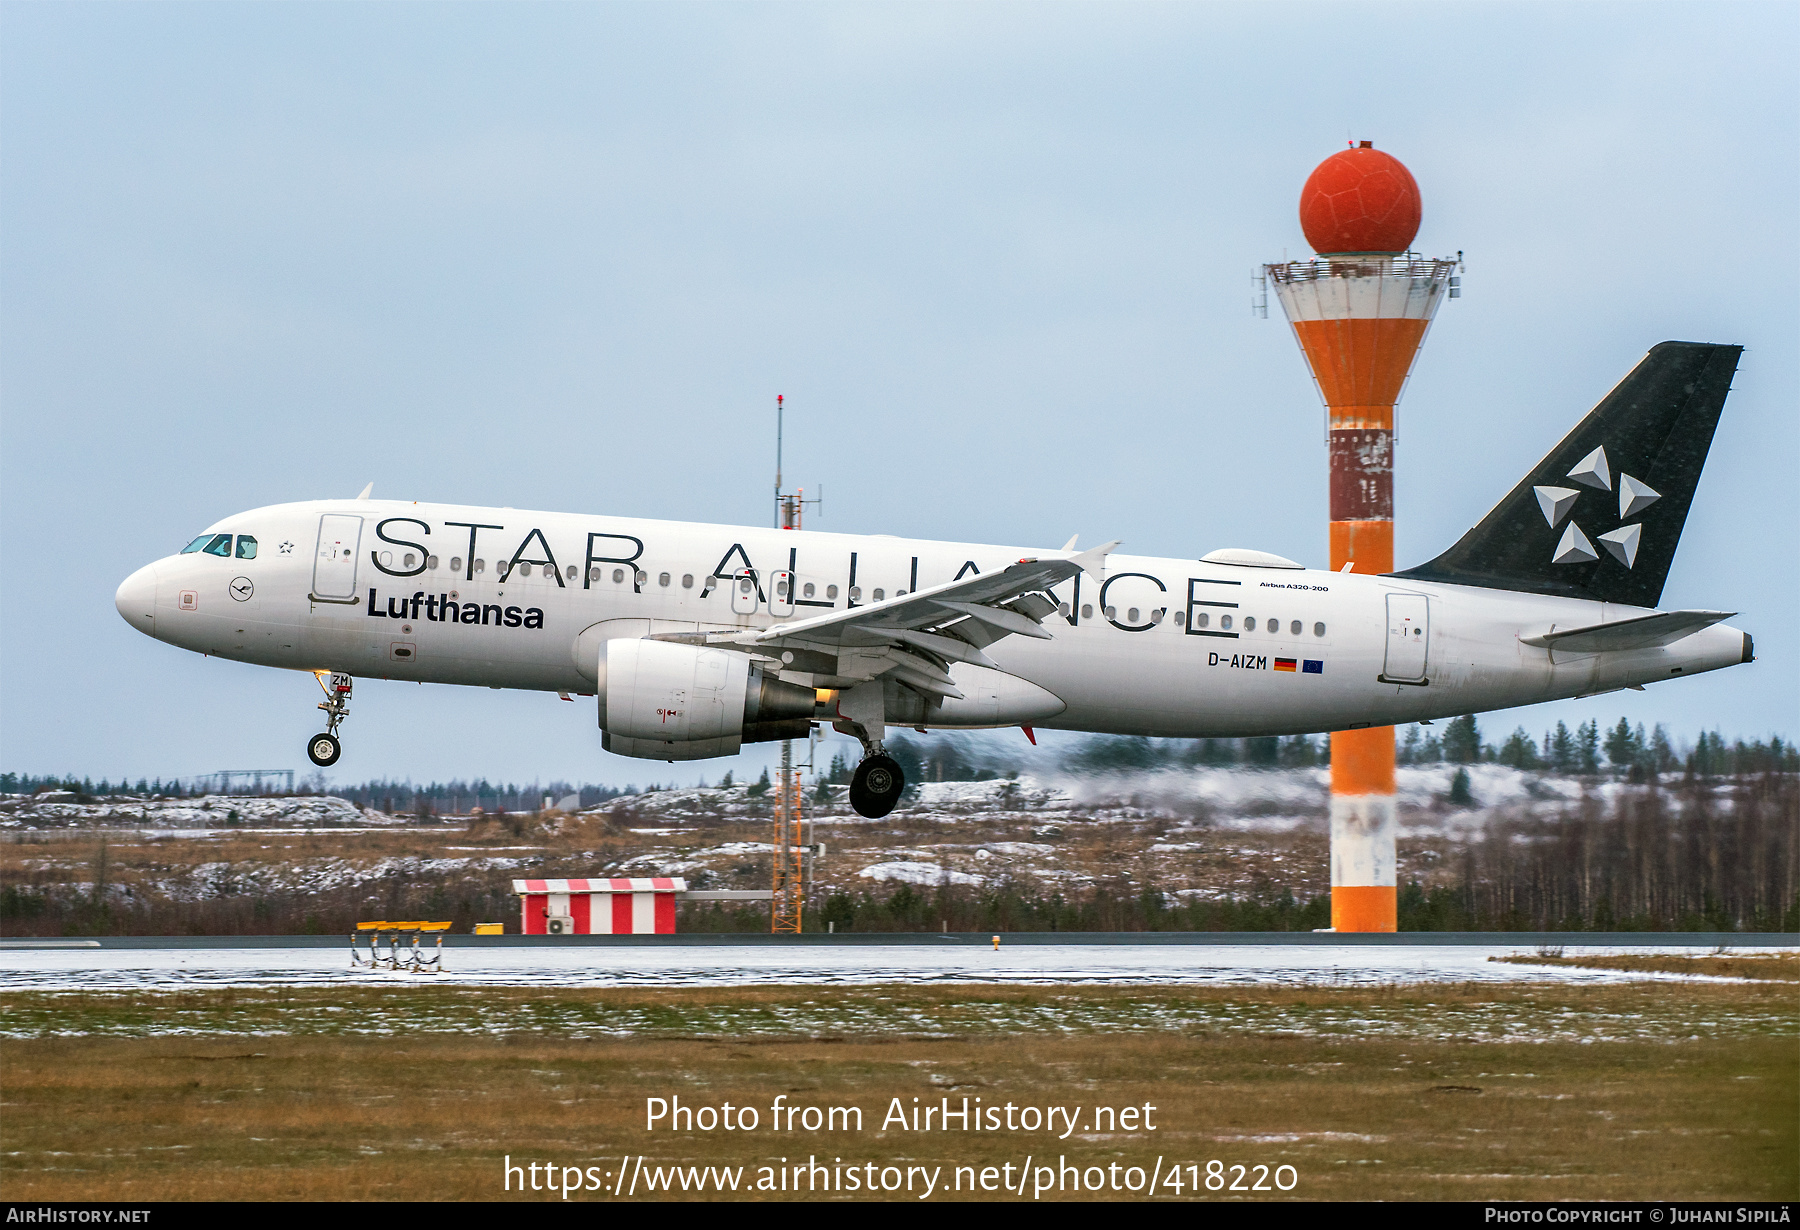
(598, 907)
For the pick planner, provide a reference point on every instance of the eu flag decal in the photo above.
(1313, 666)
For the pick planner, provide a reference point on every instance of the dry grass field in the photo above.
(1767, 967)
(1646, 1090)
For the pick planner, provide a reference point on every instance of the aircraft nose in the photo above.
(136, 600)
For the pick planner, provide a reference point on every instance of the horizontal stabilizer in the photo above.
(1643, 632)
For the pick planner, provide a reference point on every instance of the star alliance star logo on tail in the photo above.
(1575, 547)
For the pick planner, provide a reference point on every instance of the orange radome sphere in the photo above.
(1360, 200)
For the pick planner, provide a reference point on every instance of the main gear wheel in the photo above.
(876, 786)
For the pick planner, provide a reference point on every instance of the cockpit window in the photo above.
(246, 548)
(220, 545)
(196, 544)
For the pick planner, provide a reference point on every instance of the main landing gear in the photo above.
(324, 749)
(876, 785)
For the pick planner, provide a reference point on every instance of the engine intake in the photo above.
(660, 700)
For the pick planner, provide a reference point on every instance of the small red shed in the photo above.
(598, 907)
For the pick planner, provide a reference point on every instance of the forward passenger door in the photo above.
(334, 563)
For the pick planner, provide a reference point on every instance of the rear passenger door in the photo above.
(1408, 638)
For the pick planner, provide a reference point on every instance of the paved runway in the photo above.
(931, 939)
(221, 964)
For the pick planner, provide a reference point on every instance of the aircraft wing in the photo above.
(1639, 632)
(917, 636)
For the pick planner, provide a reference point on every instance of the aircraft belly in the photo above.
(1162, 684)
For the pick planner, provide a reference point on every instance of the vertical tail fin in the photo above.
(1600, 516)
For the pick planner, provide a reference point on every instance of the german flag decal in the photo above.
(1285, 664)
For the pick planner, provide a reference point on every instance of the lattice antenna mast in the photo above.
(789, 505)
(790, 849)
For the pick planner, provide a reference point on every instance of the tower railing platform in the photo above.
(1415, 267)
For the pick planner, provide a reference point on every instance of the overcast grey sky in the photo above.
(997, 257)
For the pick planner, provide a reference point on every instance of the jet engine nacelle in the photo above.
(661, 700)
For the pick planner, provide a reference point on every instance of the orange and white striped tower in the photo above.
(1360, 312)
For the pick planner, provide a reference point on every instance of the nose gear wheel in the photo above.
(324, 749)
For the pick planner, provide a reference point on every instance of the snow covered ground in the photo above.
(674, 966)
(1251, 799)
(213, 811)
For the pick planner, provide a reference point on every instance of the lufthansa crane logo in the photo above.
(242, 589)
(1575, 547)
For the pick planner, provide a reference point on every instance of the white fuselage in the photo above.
(1161, 647)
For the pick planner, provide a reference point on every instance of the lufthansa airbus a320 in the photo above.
(696, 639)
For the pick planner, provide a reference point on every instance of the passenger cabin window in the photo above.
(662, 579)
(1318, 629)
(1180, 618)
(831, 592)
(1294, 628)
(808, 589)
(1202, 619)
(408, 560)
(1131, 616)
(618, 576)
(1224, 621)
(1111, 612)
(431, 562)
(1087, 610)
(568, 572)
(480, 565)
(640, 576)
(1250, 624)
(687, 580)
(781, 589)
(524, 570)
(456, 563)
(856, 593)
(246, 547)
(879, 594)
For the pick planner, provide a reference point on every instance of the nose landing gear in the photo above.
(324, 749)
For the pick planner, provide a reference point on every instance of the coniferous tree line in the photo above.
(1695, 853)
(1687, 858)
(1682, 858)
(1622, 750)
(453, 797)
